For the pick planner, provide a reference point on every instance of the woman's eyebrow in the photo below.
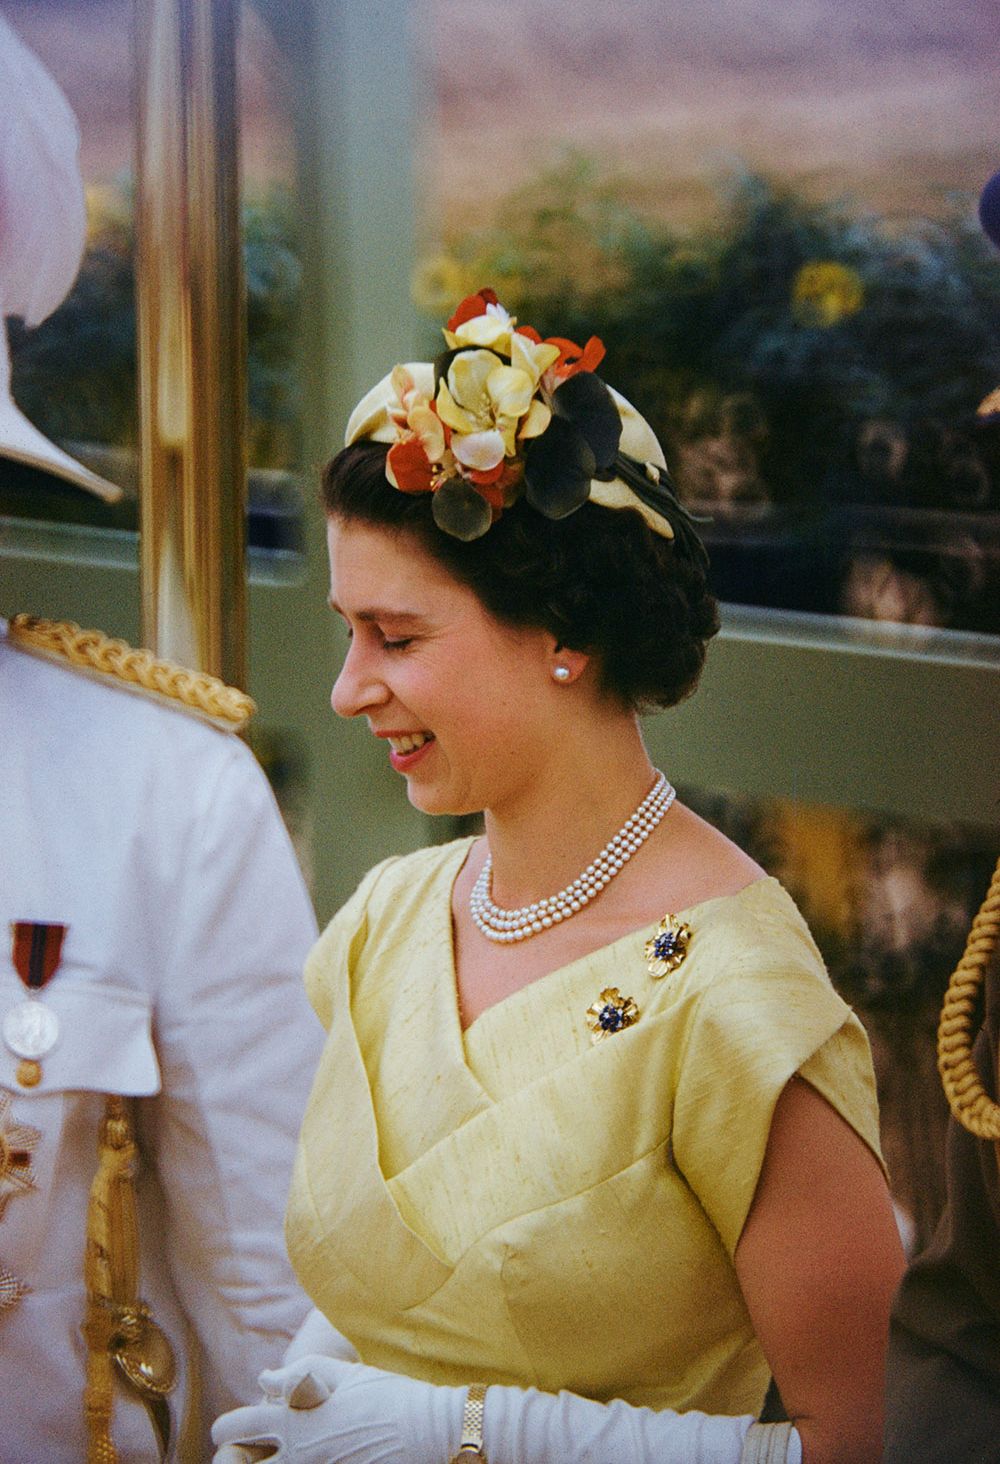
(376, 613)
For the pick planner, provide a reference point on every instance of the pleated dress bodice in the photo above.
(517, 1204)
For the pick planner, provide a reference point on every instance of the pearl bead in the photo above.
(516, 925)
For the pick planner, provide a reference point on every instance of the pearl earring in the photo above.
(561, 673)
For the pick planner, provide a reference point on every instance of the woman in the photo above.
(613, 1151)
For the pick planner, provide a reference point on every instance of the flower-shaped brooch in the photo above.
(668, 946)
(664, 952)
(610, 1013)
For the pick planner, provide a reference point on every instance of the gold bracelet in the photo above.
(471, 1444)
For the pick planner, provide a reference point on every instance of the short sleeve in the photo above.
(340, 944)
(748, 1034)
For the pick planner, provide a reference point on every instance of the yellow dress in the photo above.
(517, 1205)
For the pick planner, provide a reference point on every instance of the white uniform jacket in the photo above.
(155, 838)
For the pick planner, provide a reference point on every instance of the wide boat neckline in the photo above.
(446, 935)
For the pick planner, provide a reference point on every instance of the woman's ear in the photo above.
(566, 666)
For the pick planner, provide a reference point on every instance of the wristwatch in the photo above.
(471, 1445)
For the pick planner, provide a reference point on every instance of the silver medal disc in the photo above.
(31, 1029)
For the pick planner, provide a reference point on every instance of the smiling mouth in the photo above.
(410, 743)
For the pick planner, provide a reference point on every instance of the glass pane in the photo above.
(889, 903)
(273, 275)
(74, 375)
(768, 215)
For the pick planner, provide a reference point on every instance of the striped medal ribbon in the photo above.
(31, 1029)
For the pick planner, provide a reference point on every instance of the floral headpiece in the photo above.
(503, 413)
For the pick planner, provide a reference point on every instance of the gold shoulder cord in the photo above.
(99, 654)
(969, 1101)
(120, 1333)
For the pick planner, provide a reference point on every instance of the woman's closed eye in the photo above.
(387, 642)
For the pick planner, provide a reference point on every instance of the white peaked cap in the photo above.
(43, 232)
(43, 216)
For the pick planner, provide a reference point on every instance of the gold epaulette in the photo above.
(96, 654)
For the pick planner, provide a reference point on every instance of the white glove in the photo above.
(324, 1411)
(317, 1334)
(318, 1410)
(523, 1426)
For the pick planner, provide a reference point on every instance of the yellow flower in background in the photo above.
(507, 280)
(825, 292)
(438, 280)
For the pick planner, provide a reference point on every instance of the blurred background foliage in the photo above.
(794, 324)
(813, 371)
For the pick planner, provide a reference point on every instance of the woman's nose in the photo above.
(357, 688)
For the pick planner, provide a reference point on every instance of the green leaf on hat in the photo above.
(460, 511)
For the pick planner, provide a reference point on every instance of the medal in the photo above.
(31, 1029)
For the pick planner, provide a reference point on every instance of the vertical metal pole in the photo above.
(191, 336)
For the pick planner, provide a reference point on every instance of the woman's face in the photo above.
(465, 704)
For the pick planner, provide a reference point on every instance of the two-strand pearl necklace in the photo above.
(513, 925)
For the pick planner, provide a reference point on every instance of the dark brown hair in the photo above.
(599, 580)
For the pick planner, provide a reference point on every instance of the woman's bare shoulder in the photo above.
(699, 862)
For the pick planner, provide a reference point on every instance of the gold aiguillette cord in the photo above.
(121, 1335)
